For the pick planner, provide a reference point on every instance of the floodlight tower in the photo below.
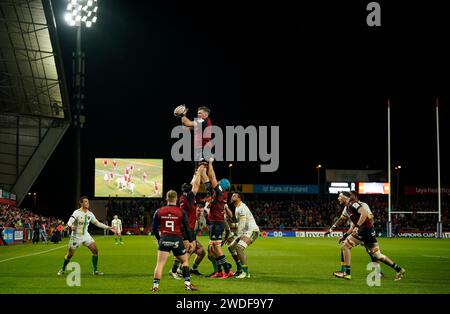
(79, 13)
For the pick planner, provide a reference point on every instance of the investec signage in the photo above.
(299, 234)
(285, 189)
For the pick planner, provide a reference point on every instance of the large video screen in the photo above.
(115, 177)
(337, 187)
(373, 188)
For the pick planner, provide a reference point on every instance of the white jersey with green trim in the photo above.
(246, 221)
(79, 222)
(117, 224)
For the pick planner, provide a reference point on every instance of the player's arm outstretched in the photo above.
(102, 225)
(342, 219)
(180, 112)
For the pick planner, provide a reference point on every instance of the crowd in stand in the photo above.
(308, 212)
(44, 228)
(11, 216)
(298, 213)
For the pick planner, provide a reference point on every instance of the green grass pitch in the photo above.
(277, 265)
(151, 167)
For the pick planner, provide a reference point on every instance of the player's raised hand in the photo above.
(180, 111)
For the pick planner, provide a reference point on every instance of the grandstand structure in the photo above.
(34, 101)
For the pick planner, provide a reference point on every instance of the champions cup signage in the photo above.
(252, 144)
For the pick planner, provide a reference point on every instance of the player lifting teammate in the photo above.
(79, 223)
(171, 219)
(216, 219)
(187, 204)
(361, 232)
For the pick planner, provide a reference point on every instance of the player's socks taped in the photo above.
(234, 254)
(66, 261)
(186, 274)
(342, 262)
(347, 269)
(245, 268)
(222, 262)
(175, 266)
(94, 262)
(396, 267)
(156, 282)
(213, 262)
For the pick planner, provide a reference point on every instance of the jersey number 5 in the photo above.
(170, 224)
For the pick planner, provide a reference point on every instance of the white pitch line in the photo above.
(435, 256)
(12, 258)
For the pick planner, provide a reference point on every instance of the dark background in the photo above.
(316, 70)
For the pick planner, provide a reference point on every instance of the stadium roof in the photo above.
(34, 106)
(29, 81)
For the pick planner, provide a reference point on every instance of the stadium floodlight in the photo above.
(81, 11)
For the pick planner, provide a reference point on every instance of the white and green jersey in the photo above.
(246, 221)
(117, 224)
(79, 222)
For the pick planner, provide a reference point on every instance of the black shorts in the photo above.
(193, 235)
(216, 230)
(172, 244)
(367, 235)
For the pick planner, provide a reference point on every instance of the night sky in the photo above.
(318, 71)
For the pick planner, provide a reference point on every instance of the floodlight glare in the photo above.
(81, 11)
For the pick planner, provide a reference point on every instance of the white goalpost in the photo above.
(439, 229)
